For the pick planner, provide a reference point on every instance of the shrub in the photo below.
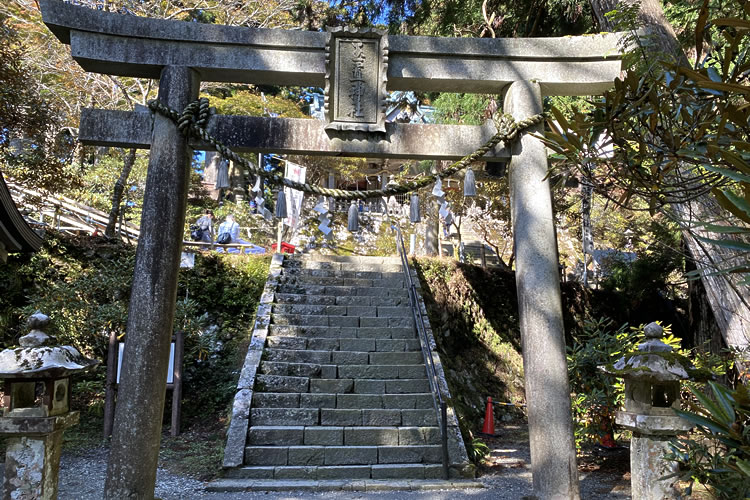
(477, 450)
(717, 453)
(595, 395)
(83, 284)
(83, 287)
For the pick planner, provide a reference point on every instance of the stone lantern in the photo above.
(652, 392)
(36, 410)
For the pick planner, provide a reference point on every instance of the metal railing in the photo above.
(440, 405)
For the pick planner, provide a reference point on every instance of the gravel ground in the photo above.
(82, 478)
(507, 477)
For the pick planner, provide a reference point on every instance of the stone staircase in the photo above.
(340, 395)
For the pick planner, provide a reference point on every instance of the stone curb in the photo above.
(234, 451)
(456, 448)
(228, 485)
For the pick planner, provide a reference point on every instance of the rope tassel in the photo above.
(353, 221)
(414, 209)
(281, 205)
(470, 187)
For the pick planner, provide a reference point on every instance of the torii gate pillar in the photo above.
(553, 455)
(140, 402)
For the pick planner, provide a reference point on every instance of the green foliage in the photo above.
(595, 395)
(225, 285)
(84, 286)
(678, 134)
(464, 109)
(98, 180)
(499, 19)
(34, 147)
(652, 269)
(717, 453)
(688, 16)
(243, 102)
(477, 451)
(474, 320)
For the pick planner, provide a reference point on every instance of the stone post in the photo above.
(553, 456)
(131, 472)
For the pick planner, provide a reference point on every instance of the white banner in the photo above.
(296, 173)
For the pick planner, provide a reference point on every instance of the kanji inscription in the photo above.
(357, 64)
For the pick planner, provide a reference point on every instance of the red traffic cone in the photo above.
(489, 419)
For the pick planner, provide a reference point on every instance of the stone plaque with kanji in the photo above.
(356, 67)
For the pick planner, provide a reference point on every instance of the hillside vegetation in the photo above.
(83, 284)
(474, 317)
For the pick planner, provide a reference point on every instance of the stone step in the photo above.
(413, 401)
(343, 344)
(299, 435)
(399, 311)
(281, 383)
(344, 300)
(343, 357)
(302, 279)
(352, 259)
(346, 478)
(356, 371)
(344, 321)
(342, 332)
(339, 273)
(420, 417)
(341, 455)
(345, 266)
(340, 291)
(297, 369)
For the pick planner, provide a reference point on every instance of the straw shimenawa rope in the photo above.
(193, 119)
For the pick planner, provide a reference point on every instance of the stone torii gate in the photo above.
(357, 69)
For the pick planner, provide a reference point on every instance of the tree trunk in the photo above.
(729, 301)
(705, 331)
(661, 42)
(119, 188)
(587, 238)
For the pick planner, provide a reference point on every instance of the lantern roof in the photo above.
(37, 358)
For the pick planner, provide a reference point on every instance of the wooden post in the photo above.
(440, 239)
(179, 354)
(278, 235)
(110, 386)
